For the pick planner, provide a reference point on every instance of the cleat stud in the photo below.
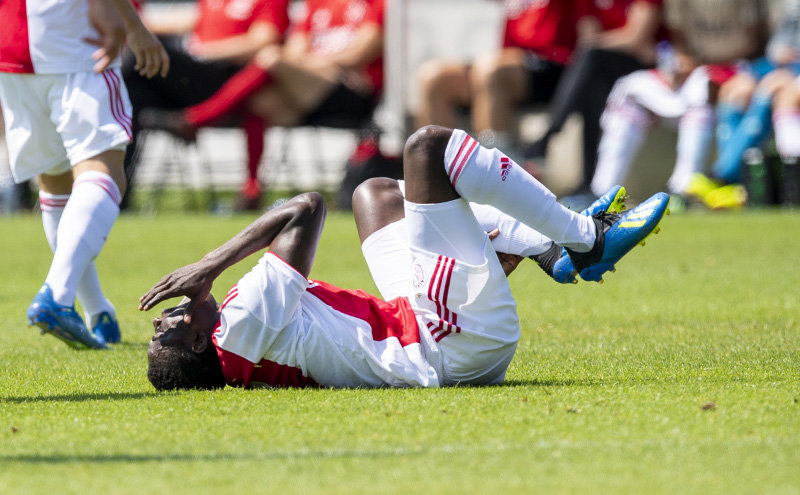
(657, 230)
(600, 281)
(574, 281)
(613, 270)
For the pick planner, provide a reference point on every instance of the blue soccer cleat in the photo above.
(555, 261)
(618, 233)
(62, 321)
(106, 328)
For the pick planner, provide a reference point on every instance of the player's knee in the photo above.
(426, 139)
(374, 192)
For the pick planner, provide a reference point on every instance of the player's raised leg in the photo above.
(488, 176)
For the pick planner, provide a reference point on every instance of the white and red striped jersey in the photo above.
(278, 329)
(45, 37)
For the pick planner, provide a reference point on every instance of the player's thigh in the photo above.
(34, 144)
(93, 114)
(388, 257)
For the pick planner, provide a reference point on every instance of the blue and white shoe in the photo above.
(61, 321)
(555, 261)
(106, 328)
(617, 234)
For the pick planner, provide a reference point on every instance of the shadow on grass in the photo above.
(583, 382)
(211, 457)
(78, 397)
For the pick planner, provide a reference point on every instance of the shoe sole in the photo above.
(595, 272)
(47, 324)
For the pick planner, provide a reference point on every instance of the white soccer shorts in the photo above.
(466, 312)
(55, 121)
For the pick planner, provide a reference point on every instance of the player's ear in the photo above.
(200, 342)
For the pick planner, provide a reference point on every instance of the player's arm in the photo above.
(110, 28)
(366, 47)
(291, 231)
(241, 48)
(637, 36)
(151, 58)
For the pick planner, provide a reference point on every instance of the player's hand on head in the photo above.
(151, 57)
(193, 281)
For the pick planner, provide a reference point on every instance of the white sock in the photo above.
(514, 238)
(87, 219)
(625, 126)
(90, 293)
(489, 177)
(786, 123)
(695, 130)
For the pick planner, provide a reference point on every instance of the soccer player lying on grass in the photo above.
(453, 319)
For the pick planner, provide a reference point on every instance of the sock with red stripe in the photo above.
(487, 176)
(90, 292)
(85, 223)
(229, 97)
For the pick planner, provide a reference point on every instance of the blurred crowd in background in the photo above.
(724, 73)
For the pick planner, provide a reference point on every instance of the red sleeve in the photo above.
(275, 12)
(376, 13)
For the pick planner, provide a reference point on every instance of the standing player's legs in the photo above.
(91, 113)
(54, 193)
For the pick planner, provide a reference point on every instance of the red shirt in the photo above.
(613, 14)
(545, 27)
(331, 25)
(220, 19)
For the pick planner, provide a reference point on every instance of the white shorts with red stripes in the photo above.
(55, 121)
(443, 262)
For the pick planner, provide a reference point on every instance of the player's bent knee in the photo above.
(426, 139)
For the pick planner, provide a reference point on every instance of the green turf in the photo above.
(681, 374)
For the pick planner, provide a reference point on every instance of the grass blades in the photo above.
(679, 375)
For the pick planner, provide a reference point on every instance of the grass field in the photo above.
(681, 374)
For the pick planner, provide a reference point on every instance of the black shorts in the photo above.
(544, 77)
(343, 108)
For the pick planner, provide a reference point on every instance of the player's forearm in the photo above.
(256, 237)
(129, 15)
(240, 48)
(365, 48)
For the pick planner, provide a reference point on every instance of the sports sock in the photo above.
(515, 237)
(728, 118)
(787, 129)
(254, 128)
(228, 98)
(89, 293)
(695, 130)
(624, 129)
(487, 176)
(85, 223)
(753, 128)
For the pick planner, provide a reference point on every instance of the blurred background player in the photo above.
(538, 40)
(67, 119)
(615, 38)
(707, 41)
(760, 91)
(328, 73)
(207, 46)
